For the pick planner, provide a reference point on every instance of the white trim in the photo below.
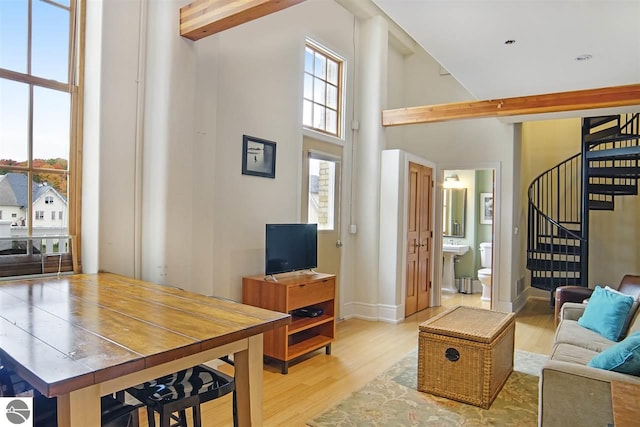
(374, 312)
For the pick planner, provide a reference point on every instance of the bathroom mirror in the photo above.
(453, 215)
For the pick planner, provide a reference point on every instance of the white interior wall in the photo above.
(256, 79)
(118, 69)
(91, 134)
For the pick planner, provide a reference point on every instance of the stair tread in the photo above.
(602, 135)
(615, 171)
(615, 153)
(558, 249)
(596, 121)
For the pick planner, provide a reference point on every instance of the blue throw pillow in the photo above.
(606, 313)
(621, 357)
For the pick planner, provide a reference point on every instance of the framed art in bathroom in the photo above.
(486, 208)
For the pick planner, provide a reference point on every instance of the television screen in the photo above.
(290, 247)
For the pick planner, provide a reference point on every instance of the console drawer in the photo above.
(306, 294)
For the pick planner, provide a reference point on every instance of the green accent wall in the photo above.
(484, 184)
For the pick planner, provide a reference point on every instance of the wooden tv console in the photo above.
(285, 294)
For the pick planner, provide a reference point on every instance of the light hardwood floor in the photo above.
(363, 350)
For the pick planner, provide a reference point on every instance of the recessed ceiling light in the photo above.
(584, 57)
(510, 41)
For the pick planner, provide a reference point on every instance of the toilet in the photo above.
(484, 274)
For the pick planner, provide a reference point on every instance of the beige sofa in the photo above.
(571, 393)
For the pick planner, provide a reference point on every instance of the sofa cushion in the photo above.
(572, 354)
(570, 332)
(606, 313)
(622, 357)
(632, 312)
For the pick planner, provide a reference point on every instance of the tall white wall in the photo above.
(109, 142)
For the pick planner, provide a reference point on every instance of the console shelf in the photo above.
(291, 292)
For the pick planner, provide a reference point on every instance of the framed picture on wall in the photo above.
(258, 157)
(486, 208)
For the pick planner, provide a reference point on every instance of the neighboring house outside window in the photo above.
(40, 118)
(322, 104)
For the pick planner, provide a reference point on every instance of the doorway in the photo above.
(321, 202)
(470, 224)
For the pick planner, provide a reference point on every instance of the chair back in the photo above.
(630, 285)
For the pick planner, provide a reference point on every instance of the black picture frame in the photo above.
(258, 157)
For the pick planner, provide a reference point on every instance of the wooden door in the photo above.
(419, 235)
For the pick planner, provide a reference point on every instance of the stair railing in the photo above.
(608, 165)
(554, 232)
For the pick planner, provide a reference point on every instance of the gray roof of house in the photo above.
(13, 190)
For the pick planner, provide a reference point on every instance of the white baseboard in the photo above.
(373, 312)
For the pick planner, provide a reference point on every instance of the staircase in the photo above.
(558, 229)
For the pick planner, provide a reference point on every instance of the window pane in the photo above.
(321, 193)
(324, 94)
(332, 121)
(308, 60)
(50, 39)
(307, 113)
(51, 109)
(308, 86)
(13, 35)
(13, 187)
(332, 71)
(318, 116)
(47, 187)
(14, 121)
(332, 97)
(55, 181)
(320, 69)
(319, 91)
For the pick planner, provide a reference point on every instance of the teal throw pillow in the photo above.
(621, 357)
(606, 313)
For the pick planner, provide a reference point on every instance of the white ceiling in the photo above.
(467, 37)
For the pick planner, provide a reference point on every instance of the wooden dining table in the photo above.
(83, 336)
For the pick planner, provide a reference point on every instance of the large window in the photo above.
(322, 104)
(40, 105)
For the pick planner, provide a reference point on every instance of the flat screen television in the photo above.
(290, 247)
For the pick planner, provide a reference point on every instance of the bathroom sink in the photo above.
(455, 248)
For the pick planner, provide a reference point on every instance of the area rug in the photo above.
(392, 399)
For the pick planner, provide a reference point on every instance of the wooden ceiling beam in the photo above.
(616, 96)
(202, 18)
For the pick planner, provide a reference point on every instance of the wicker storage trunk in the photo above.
(466, 354)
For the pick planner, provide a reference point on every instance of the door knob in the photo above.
(338, 243)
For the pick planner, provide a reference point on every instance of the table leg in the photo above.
(79, 408)
(248, 377)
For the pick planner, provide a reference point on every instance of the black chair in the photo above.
(114, 412)
(175, 393)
